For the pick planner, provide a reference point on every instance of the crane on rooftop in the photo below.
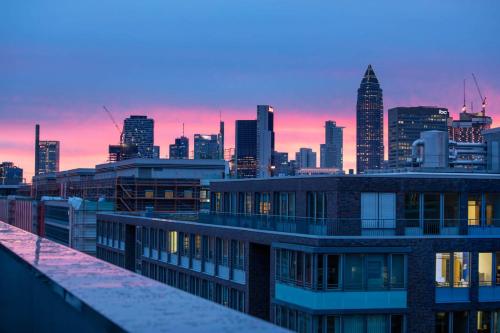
(115, 123)
(483, 99)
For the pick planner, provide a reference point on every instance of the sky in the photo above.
(187, 61)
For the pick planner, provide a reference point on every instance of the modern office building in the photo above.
(305, 158)
(369, 123)
(10, 174)
(469, 127)
(139, 131)
(246, 148)
(265, 140)
(331, 152)
(281, 165)
(405, 126)
(206, 147)
(46, 154)
(180, 149)
(399, 252)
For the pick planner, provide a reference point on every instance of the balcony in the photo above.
(47, 287)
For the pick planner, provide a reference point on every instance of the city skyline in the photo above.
(60, 75)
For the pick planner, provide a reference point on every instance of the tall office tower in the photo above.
(265, 139)
(206, 147)
(305, 158)
(405, 126)
(369, 123)
(180, 149)
(10, 174)
(139, 131)
(46, 154)
(469, 127)
(331, 152)
(221, 140)
(246, 148)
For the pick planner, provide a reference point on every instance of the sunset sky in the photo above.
(186, 61)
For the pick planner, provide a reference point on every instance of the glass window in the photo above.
(172, 242)
(353, 275)
(451, 209)
(460, 322)
(397, 323)
(442, 322)
(497, 267)
(483, 322)
(492, 209)
(248, 203)
(432, 207)
(319, 271)
(485, 269)
(376, 324)
(397, 271)
(308, 269)
(169, 194)
(353, 323)
(264, 203)
(474, 209)
(412, 207)
(185, 244)
(333, 271)
(225, 252)
(461, 269)
(443, 269)
(197, 247)
(316, 205)
(332, 324)
(376, 271)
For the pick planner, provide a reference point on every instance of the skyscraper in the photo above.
(221, 140)
(46, 154)
(305, 158)
(265, 139)
(180, 149)
(369, 123)
(405, 126)
(331, 152)
(246, 148)
(206, 146)
(139, 131)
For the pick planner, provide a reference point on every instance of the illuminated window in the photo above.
(172, 242)
(485, 268)
(149, 194)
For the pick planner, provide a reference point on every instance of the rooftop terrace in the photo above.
(47, 287)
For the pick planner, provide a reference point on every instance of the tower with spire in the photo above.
(369, 123)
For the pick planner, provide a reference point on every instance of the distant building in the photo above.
(469, 127)
(331, 152)
(206, 147)
(10, 174)
(281, 165)
(139, 131)
(221, 140)
(121, 152)
(46, 154)
(180, 149)
(305, 158)
(405, 126)
(369, 123)
(246, 148)
(265, 139)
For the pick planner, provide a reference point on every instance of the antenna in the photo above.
(464, 106)
(182, 129)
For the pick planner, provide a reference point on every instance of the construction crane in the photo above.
(483, 99)
(115, 123)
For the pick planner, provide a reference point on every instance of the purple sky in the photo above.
(186, 61)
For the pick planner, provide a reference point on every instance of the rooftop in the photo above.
(131, 302)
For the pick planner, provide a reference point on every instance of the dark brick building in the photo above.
(362, 253)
